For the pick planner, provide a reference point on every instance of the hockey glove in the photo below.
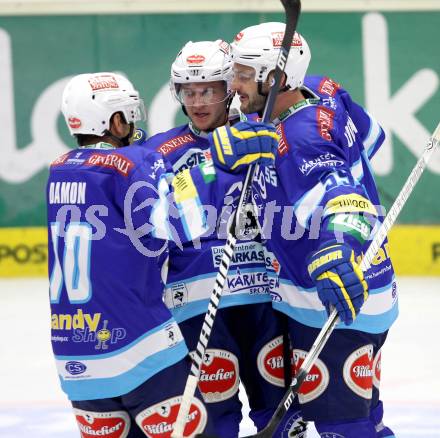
(338, 279)
(244, 144)
(139, 136)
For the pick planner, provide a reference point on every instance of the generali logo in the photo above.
(113, 161)
(328, 86)
(325, 122)
(174, 143)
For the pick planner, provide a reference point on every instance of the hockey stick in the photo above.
(292, 10)
(371, 252)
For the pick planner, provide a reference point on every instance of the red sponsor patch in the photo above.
(325, 122)
(60, 160)
(157, 421)
(297, 41)
(218, 376)
(112, 161)
(283, 146)
(174, 143)
(74, 122)
(195, 59)
(276, 265)
(224, 47)
(115, 424)
(377, 364)
(270, 362)
(316, 380)
(329, 87)
(103, 82)
(358, 371)
(239, 36)
(277, 40)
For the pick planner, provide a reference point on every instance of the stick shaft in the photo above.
(371, 252)
(292, 9)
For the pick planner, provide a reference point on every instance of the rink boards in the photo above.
(415, 250)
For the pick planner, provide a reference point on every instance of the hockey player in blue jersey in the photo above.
(328, 208)
(246, 342)
(120, 355)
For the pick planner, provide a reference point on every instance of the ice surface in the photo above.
(32, 404)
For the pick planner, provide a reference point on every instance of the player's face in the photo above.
(205, 103)
(244, 84)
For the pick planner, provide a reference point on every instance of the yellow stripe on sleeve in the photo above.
(218, 147)
(337, 280)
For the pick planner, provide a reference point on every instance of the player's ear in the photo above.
(271, 78)
(117, 123)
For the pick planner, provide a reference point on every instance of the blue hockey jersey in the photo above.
(191, 272)
(110, 212)
(322, 188)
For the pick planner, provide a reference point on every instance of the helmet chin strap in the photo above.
(264, 94)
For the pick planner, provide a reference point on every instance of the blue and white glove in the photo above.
(243, 144)
(139, 137)
(339, 279)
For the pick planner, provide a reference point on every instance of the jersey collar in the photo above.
(100, 145)
(293, 109)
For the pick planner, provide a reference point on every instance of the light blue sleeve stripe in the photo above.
(199, 307)
(316, 318)
(116, 386)
(120, 350)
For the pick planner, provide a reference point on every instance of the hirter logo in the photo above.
(277, 39)
(316, 381)
(195, 59)
(377, 364)
(329, 87)
(115, 424)
(74, 122)
(325, 122)
(270, 362)
(219, 378)
(157, 421)
(358, 371)
(103, 82)
(296, 42)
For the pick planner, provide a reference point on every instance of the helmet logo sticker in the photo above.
(103, 82)
(74, 122)
(195, 59)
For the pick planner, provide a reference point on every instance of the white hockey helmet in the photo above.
(259, 46)
(89, 100)
(202, 61)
